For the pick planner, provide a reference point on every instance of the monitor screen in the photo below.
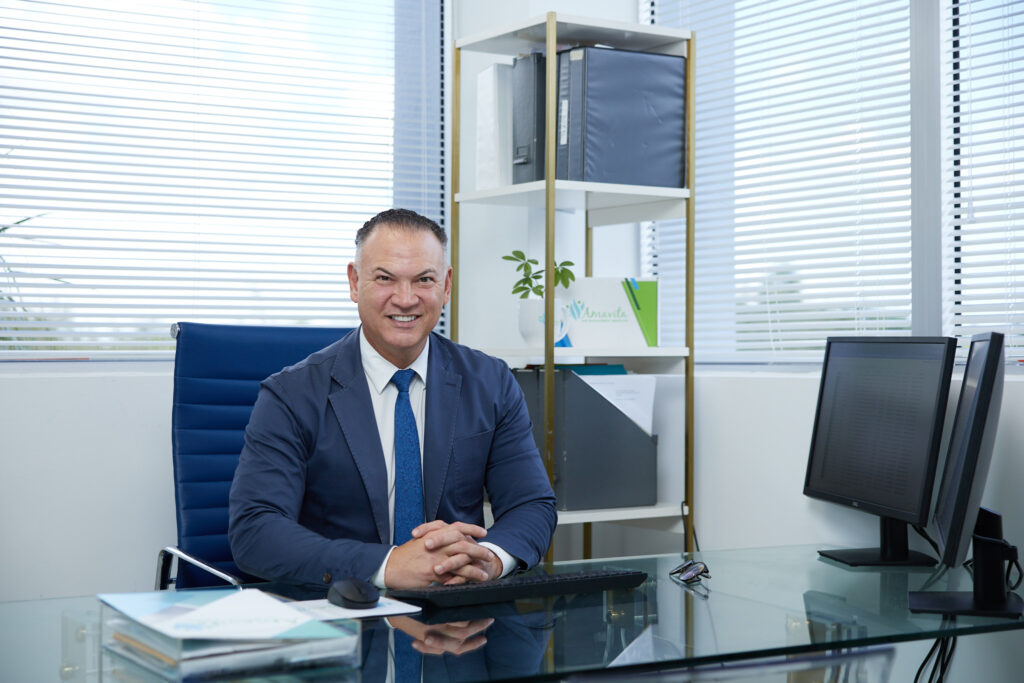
(877, 428)
(970, 448)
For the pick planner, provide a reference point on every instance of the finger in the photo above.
(453, 563)
(427, 527)
(470, 529)
(461, 630)
(434, 645)
(439, 538)
(471, 548)
(470, 572)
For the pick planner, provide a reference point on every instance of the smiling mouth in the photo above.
(403, 318)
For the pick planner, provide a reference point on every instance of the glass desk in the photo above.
(759, 603)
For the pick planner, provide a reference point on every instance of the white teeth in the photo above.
(403, 318)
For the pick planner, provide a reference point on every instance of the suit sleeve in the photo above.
(517, 483)
(266, 498)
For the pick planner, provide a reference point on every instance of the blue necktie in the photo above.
(408, 662)
(408, 476)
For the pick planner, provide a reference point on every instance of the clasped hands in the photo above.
(439, 552)
(457, 637)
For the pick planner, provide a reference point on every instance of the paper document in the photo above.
(248, 614)
(326, 611)
(646, 648)
(632, 394)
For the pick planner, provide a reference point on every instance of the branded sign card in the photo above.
(621, 312)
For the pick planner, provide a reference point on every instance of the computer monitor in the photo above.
(970, 448)
(877, 429)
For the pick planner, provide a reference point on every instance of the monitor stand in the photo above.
(963, 602)
(990, 597)
(893, 550)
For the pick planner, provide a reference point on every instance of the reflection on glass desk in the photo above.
(760, 603)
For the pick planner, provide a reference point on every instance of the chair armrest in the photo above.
(163, 567)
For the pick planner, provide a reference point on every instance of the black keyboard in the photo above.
(523, 586)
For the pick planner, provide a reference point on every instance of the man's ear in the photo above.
(353, 282)
(448, 285)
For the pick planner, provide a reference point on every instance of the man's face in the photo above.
(401, 284)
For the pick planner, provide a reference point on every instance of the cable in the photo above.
(949, 657)
(942, 650)
(936, 575)
(1020, 575)
(924, 534)
(927, 658)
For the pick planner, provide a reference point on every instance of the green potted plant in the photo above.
(529, 287)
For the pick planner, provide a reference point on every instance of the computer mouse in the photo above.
(353, 594)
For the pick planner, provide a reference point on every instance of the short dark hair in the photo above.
(401, 218)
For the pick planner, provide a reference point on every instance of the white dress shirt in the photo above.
(383, 395)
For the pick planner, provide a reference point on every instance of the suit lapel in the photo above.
(351, 405)
(443, 389)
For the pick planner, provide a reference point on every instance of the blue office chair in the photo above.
(217, 373)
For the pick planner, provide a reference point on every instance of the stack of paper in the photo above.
(206, 633)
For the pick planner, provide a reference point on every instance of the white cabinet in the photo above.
(600, 204)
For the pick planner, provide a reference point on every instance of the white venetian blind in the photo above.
(802, 179)
(983, 193)
(204, 160)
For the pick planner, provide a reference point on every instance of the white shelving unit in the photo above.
(604, 204)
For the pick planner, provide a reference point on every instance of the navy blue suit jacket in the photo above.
(514, 649)
(309, 498)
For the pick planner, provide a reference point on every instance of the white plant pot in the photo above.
(531, 321)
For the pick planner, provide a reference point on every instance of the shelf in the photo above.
(605, 204)
(530, 35)
(565, 354)
(660, 511)
(608, 203)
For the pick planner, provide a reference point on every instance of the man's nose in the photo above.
(403, 294)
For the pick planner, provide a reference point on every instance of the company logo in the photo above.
(579, 310)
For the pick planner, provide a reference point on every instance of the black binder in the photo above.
(528, 118)
(625, 117)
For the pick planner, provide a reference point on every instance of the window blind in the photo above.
(802, 179)
(983, 209)
(204, 160)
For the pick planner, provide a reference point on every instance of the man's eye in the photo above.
(383, 278)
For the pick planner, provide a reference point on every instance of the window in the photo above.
(203, 160)
(802, 180)
(983, 211)
(803, 173)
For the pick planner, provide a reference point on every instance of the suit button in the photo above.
(327, 577)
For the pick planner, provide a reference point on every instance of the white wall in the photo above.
(88, 498)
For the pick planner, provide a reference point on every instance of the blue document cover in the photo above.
(621, 117)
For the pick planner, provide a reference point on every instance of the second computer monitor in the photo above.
(970, 448)
(877, 428)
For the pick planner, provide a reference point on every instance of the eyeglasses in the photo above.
(691, 571)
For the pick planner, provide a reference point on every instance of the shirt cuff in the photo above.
(508, 562)
(378, 578)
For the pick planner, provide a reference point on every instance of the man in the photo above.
(328, 478)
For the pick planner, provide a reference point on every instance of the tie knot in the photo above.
(403, 378)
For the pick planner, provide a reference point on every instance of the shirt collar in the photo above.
(379, 370)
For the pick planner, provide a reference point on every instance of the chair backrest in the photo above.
(217, 373)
